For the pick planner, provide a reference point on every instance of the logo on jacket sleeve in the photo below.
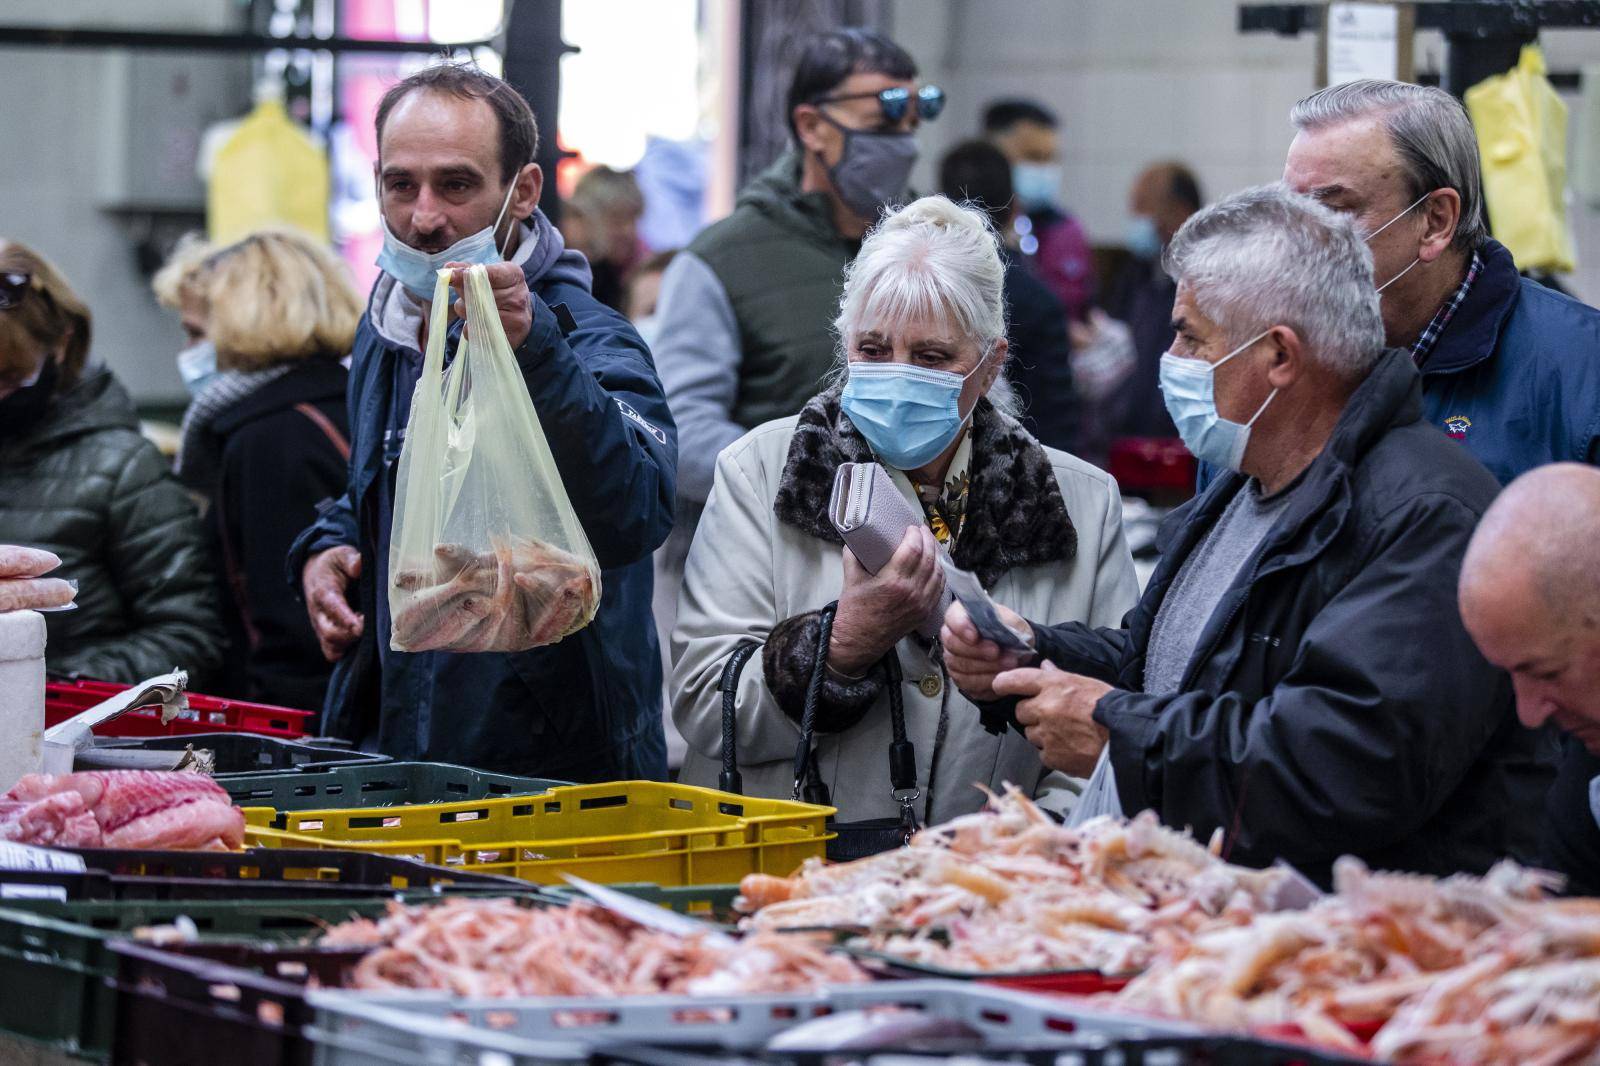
(1457, 426)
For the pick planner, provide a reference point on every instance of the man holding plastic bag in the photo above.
(485, 584)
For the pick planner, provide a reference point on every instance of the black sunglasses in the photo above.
(13, 287)
(894, 103)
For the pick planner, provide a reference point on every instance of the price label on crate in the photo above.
(28, 857)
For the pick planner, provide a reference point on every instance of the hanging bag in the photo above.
(486, 553)
(852, 840)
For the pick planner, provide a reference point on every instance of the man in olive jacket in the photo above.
(1296, 674)
(746, 311)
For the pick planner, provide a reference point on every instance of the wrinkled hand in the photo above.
(1057, 715)
(972, 661)
(326, 583)
(1085, 334)
(511, 298)
(876, 610)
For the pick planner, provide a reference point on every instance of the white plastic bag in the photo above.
(486, 553)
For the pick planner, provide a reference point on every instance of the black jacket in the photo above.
(281, 456)
(1040, 368)
(1335, 703)
(84, 484)
(1142, 297)
(1570, 843)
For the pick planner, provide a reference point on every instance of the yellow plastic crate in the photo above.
(646, 831)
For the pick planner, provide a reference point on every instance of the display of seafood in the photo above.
(1009, 889)
(1456, 970)
(523, 594)
(493, 947)
(121, 809)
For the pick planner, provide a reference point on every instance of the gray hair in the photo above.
(930, 259)
(1268, 256)
(1431, 134)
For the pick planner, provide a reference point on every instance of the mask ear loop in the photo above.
(501, 248)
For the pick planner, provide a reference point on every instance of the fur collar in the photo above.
(1015, 514)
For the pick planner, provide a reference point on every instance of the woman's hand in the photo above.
(876, 610)
(972, 661)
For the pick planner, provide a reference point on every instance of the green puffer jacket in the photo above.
(84, 484)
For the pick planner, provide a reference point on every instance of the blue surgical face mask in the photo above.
(1036, 184)
(1189, 388)
(909, 414)
(197, 366)
(418, 271)
(1142, 238)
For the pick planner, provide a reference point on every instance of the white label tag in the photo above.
(57, 892)
(28, 857)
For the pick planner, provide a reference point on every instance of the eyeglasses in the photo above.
(13, 287)
(894, 103)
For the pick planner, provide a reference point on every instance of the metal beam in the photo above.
(65, 37)
(1480, 18)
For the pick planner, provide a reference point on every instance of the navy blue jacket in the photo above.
(588, 708)
(1515, 376)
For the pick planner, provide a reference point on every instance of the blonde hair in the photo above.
(274, 296)
(50, 313)
(178, 279)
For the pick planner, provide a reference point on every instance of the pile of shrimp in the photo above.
(1458, 970)
(1010, 890)
(494, 947)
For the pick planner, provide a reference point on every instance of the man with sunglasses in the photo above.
(1510, 368)
(746, 310)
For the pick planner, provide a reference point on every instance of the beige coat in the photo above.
(750, 569)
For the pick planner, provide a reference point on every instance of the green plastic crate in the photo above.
(54, 960)
(711, 902)
(390, 784)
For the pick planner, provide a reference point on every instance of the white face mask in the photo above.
(1385, 226)
(418, 270)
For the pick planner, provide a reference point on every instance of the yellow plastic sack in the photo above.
(269, 173)
(1522, 138)
(486, 553)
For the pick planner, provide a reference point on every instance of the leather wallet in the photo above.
(872, 515)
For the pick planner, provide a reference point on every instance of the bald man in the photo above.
(1530, 598)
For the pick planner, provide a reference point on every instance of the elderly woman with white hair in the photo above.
(922, 333)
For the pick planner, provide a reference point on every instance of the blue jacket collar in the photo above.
(1474, 331)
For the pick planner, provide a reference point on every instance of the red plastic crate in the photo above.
(1152, 464)
(207, 714)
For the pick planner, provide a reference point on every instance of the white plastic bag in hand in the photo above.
(486, 553)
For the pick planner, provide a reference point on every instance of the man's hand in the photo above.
(876, 610)
(511, 298)
(1057, 715)
(326, 581)
(972, 661)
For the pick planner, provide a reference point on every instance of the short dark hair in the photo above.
(1185, 187)
(829, 58)
(977, 172)
(1004, 114)
(519, 133)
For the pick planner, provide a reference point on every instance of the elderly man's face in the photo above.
(935, 344)
(439, 176)
(1352, 167)
(1554, 665)
(1240, 387)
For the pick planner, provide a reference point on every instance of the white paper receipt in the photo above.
(980, 608)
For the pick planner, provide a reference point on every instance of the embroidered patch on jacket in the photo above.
(630, 413)
(1457, 426)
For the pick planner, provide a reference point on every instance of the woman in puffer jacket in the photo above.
(77, 479)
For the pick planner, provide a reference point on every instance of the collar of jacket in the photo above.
(316, 378)
(776, 193)
(1390, 396)
(1015, 514)
(1474, 329)
(97, 401)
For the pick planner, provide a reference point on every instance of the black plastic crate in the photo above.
(246, 753)
(387, 784)
(265, 873)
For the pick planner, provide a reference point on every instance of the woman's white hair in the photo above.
(931, 260)
(1268, 256)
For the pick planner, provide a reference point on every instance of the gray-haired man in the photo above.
(1296, 673)
(1509, 367)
